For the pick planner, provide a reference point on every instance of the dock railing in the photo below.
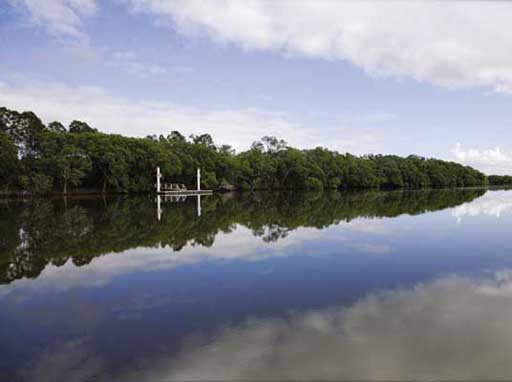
(173, 187)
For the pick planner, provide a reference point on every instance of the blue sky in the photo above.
(429, 78)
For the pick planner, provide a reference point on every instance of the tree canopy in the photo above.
(38, 159)
(500, 180)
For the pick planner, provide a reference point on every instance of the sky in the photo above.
(391, 77)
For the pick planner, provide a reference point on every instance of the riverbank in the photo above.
(98, 194)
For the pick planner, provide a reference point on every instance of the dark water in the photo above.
(375, 285)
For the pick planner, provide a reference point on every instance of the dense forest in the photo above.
(38, 159)
(500, 180)
(55, 230)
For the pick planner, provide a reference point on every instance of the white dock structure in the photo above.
(158, 176)
(178, 189)
(177, 192)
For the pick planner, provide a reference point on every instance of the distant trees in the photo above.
(39, 158)
(203, 139)
(500, 180)
(80, 127)
(64, 159)
(176, 135)
(25, 130)
(270, 145)
(109, 159)
(56, 127)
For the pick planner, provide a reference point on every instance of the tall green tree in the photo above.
(80, 127)
(9, 162)
(65, 159)
(109, 156)
(56, 127)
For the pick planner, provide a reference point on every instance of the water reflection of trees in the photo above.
(42, 232)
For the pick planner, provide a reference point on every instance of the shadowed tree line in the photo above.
(51, 231)
(500, 180)
(39, 159)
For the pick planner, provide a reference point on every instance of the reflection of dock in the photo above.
(175, 199)
(172, 198)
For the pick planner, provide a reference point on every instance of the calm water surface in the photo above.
(375, 285)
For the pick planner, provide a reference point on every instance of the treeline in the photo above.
(40, 159)
(500, 180)
(55, 230)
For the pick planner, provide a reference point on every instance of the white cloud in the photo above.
(124, 55)
(115, 114)
(491, 161)
(59, 16)
(128, 62)
(448, 43)
(378, 118)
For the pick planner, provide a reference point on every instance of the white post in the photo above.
(198, 179)
(198, 204)
(159, 207)
(158, 176)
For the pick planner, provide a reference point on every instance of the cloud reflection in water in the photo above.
(493, 204)
(452, 328)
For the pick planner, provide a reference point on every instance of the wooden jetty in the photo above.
(177, 192)
(178, 189)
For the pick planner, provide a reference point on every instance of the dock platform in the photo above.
(185, 192)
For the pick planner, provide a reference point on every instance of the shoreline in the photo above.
(94, 194)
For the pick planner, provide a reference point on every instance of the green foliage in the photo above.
(177, 136)
(25, 130)
(9, 163)
(56, 127)
(203, 139)
(500, 180)
(63, 158)
(313, 184)
(80, 127)
(36, 183)
(83, 157)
